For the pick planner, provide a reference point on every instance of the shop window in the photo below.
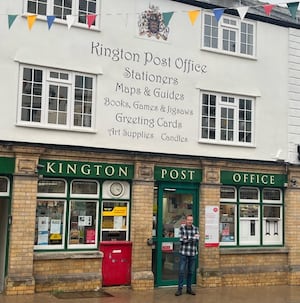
(62, 8)
(58, 229)
(272, 216)
(229, 35)
(82, 227)
(253, 216)
(50, 224)
(57, 99)
(114, 225)
(4, 186)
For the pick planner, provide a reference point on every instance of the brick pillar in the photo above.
(292, 226)
(20, 278)
(141, 227)
(209, 274)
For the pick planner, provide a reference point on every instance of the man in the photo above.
(189, 237)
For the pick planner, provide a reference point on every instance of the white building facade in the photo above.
(120, 118)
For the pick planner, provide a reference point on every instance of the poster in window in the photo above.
(55, 226)
(84, 220)
(90, 236)
(43, 237)
(43, 223)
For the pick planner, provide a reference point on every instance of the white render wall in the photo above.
(294, 95)
(265, 78)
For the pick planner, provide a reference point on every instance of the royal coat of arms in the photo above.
(151, 24)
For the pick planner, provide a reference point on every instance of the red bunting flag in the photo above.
(268, 8)
(90, 20)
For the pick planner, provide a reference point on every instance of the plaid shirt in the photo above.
(188, 240)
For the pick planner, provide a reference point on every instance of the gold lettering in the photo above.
(50, 168)
(123, 171)
(71, 168)
(86, 169)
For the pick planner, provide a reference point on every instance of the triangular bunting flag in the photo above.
(218, 12)
(268, 8)
(11, 20)
(167, 17)
(30, 20)
(193, 15)
(70, 20)
(293, 7)
(90, 20)
(242, 11)
(50, 20)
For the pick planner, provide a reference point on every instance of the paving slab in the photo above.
(268, 294)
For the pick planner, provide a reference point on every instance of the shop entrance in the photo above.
(174, 203)
(3, 239)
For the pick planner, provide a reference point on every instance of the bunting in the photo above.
(11, 20)
(218, 12)
(50, 20)
(167, 16)
(268, 8)
(293, 7)
(242, 11)
(30, 20)
(193, 15)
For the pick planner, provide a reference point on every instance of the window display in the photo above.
(57, 228)
(251, 216)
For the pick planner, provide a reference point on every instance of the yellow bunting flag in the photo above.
(30, 20)
(193, 15)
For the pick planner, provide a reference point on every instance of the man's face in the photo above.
(189, 220)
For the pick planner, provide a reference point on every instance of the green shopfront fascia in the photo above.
(82, 203)
(176, 195)
(251, 209)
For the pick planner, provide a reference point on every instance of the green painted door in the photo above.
(174, 202)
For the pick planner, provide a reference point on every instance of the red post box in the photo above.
(116, 264)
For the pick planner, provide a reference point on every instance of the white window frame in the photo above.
(269, 235)
(46, 81)
(63, 232)
(219, 105)
(233, 25)
(5, 193)
(83, 246)
(233, 202)
(74, 12)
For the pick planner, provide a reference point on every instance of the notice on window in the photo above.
(212, 226)
(43, 238)
(118, 222)
(55, 226)
(43, 223)
(84, 220)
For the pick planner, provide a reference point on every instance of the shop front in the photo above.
(80, 205)
(176, 196)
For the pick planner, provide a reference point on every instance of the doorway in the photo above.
(174, 203)
(3, 239)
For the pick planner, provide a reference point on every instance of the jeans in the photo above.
(186, 262)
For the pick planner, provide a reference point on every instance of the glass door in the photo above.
(174, 204)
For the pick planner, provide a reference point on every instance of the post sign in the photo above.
(177, 174)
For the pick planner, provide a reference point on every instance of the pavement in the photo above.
(267, 294)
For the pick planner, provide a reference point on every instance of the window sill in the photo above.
(254, 250)
(68, 255)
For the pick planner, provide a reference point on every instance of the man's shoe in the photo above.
(190, 292)
(178, 293)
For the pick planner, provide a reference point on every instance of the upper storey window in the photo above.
(61, 8)
(56, 98)
(229, 35)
